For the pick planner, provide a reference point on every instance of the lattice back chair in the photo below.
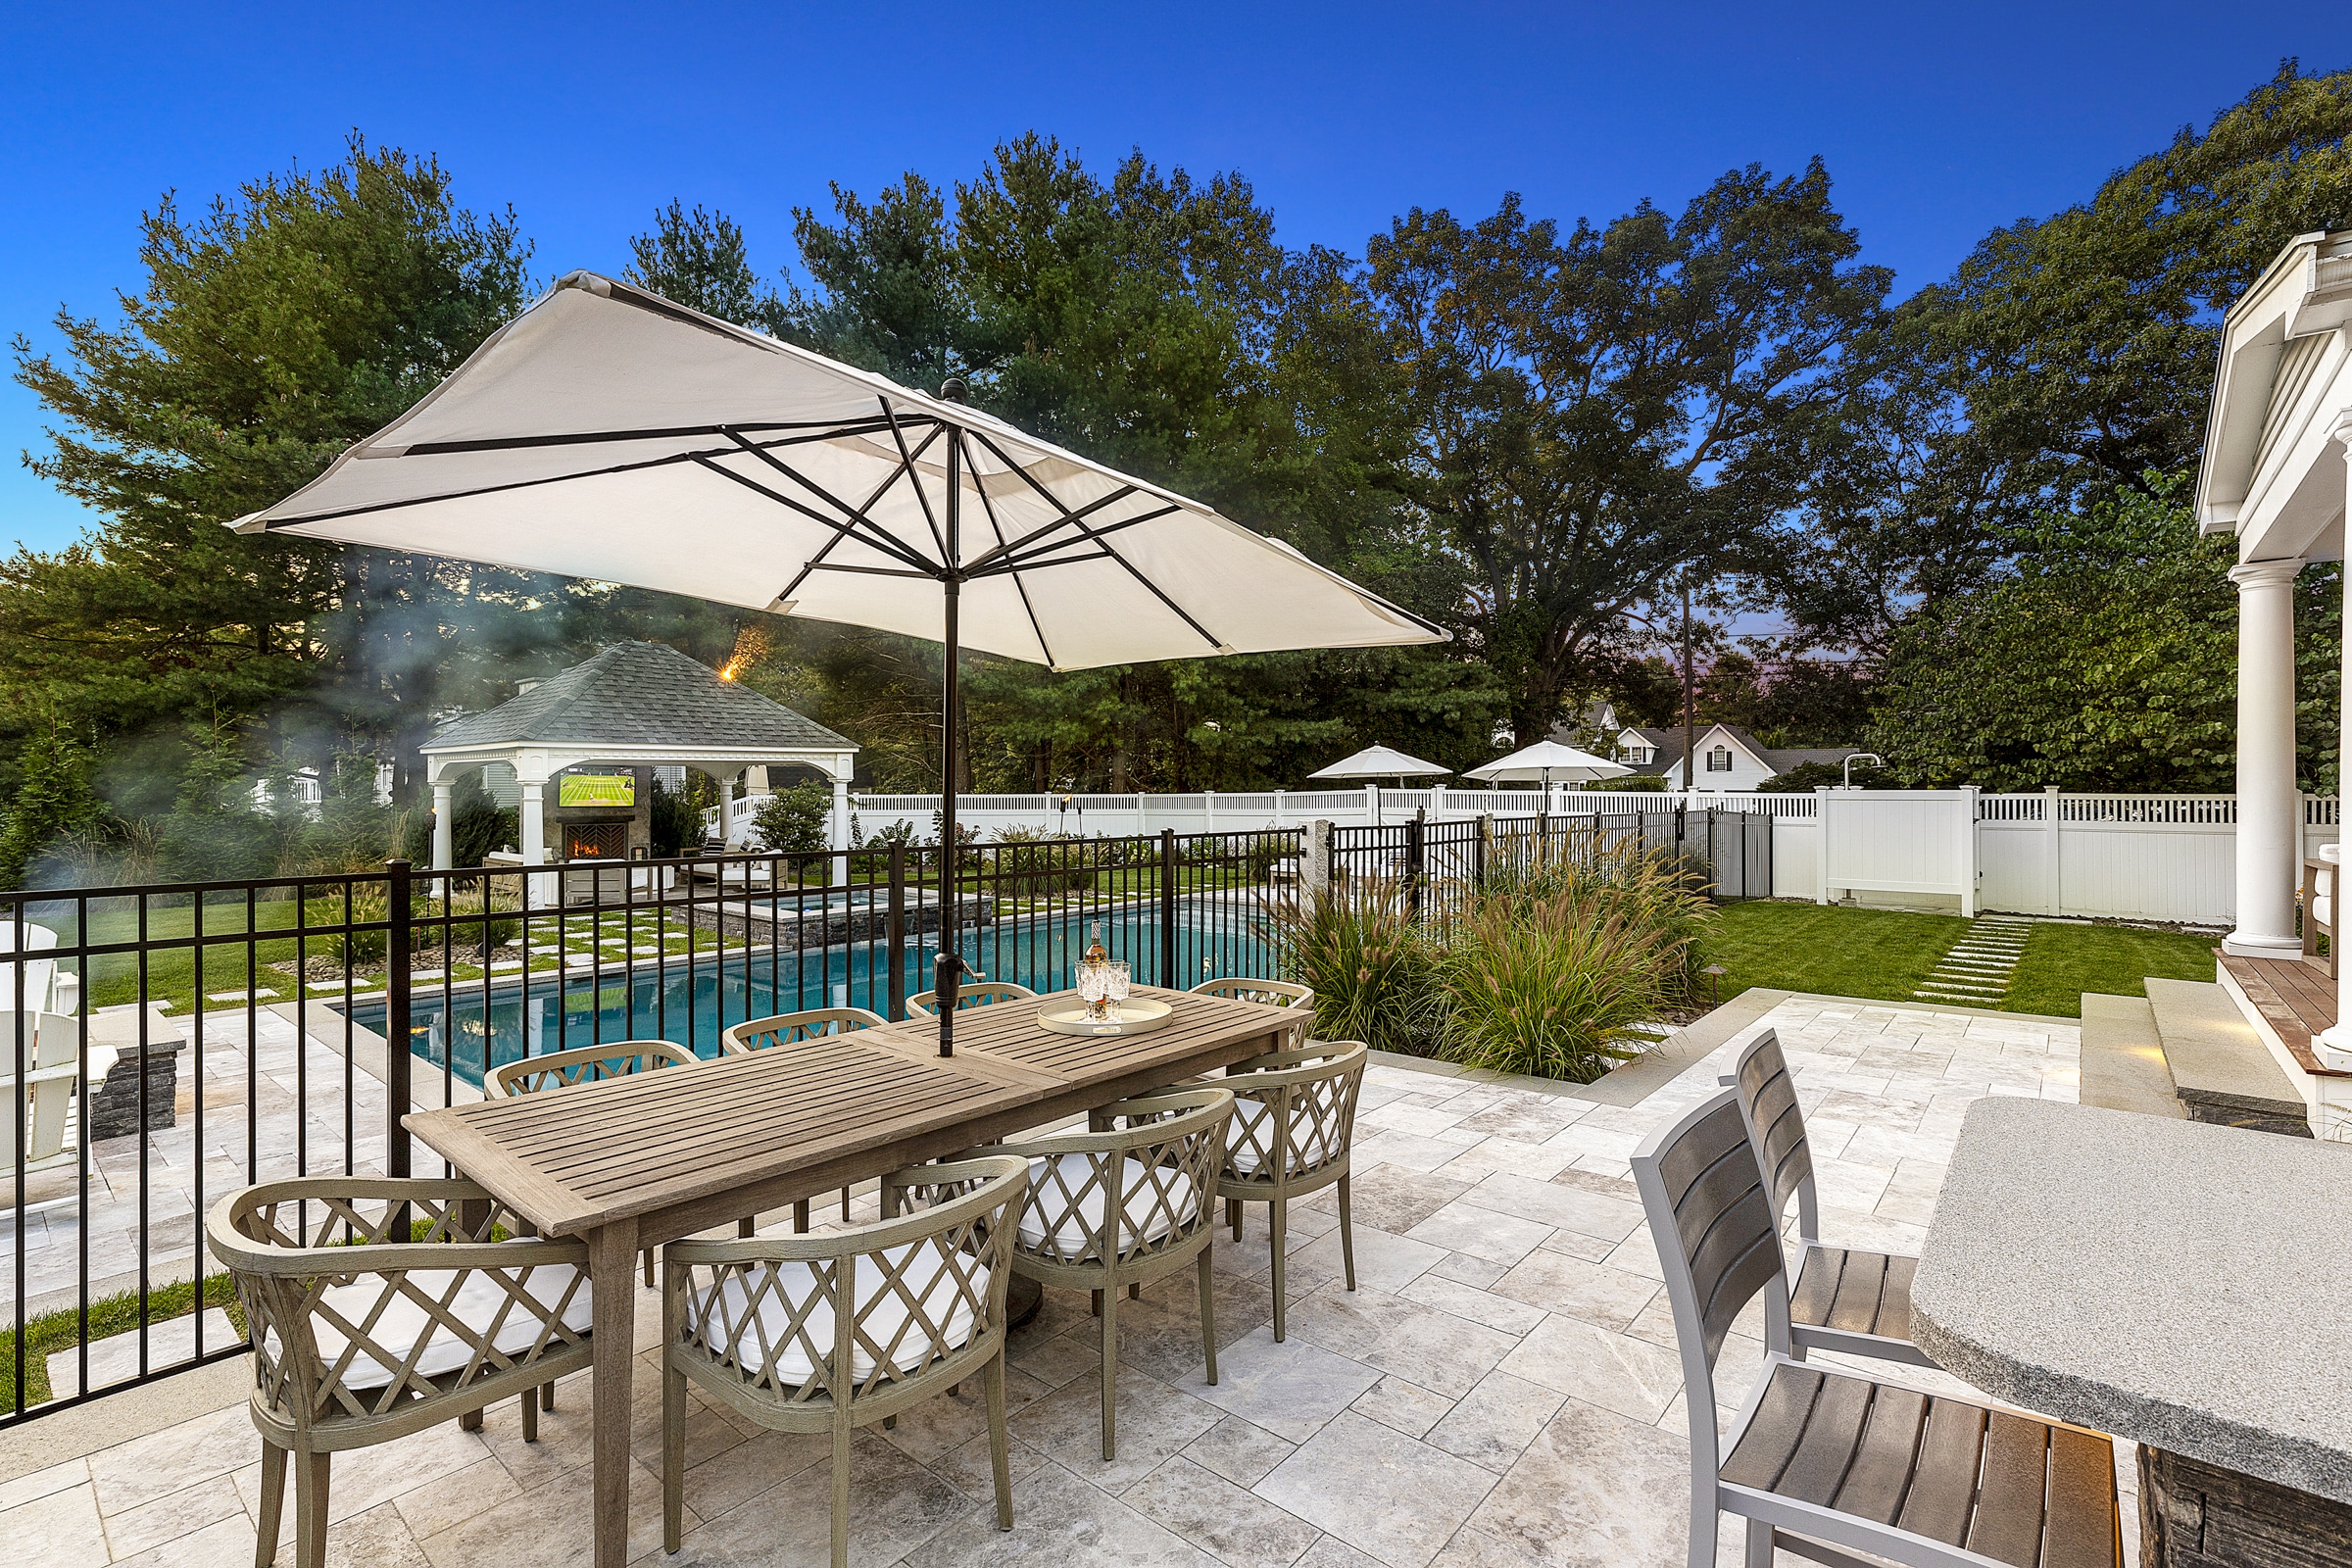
(1124, 1203)
(971, 993)
(35, 1107)
(797, 1029)
(1271, 993)
(585, 1064)
(1844, 1299)
(1823, 1463)
(834, 1332)
(358, 1337)
(1293, 1121)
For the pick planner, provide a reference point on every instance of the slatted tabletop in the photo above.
(578, 1158)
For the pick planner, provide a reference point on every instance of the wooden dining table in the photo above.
(634, 1161)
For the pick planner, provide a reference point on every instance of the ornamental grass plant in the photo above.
(1364, 954)
(1549, 969)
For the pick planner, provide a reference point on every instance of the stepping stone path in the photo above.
(1976, 971)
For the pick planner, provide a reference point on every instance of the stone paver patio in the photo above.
(1501, 1391)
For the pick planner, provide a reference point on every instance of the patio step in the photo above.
(2220, 1069)
(2122, 1065)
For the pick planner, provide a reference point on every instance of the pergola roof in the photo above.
(636, 696)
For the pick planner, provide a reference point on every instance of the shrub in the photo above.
(1031, 862)
(792, 821)
(368, 902)
(469, 903)
(1639, 783)
(1362, 953)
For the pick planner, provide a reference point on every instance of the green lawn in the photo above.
(2062, 962)
(1885, 954)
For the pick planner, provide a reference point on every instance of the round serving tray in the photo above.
(1137, 1015)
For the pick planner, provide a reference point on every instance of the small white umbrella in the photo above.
(1381, 762)
(609, 433)
(1547, 761)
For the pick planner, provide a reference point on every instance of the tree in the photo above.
(699, 260)
(1592, 412)
(2106, 660)
(52, 798)
(2066, 356)
(271, 331)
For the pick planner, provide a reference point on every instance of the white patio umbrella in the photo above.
(608, 433)
(1547, 761)
(1381, 762)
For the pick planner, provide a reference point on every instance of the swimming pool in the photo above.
(693, 1005)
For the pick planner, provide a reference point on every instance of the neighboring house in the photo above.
(1727, 758)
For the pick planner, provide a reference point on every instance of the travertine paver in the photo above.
(1501, 1391)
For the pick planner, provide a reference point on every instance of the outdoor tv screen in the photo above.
(597, 789)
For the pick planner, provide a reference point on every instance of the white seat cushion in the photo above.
(1253, 1130)
(1051, 1213)
(753, 1333)
(404, 1321)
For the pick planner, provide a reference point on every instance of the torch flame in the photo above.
(728, 673)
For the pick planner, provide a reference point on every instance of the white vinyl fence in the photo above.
(2125, 857)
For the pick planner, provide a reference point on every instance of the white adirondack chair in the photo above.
(34, 1109)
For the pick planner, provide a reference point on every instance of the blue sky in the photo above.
(1936, 122)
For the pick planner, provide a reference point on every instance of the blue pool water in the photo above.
(692, 1006)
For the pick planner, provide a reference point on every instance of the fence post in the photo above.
(1168, 910)
(1967, 841)
(896, 934)
(1416, 848)
(2053, 888)
(1486, 837)
(397, 1057)
(1821, 844)
(1317, 872)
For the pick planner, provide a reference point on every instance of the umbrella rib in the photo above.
(1081, 525)
(888, 543)
(1063, 522)
(987, 508)
(1039, 559)
(883, 543)
(880, 490)
(521, 443)
(271, 524)
(939, 540)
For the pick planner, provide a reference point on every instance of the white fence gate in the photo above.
(2123, 857)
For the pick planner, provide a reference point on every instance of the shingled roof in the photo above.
(641, 694)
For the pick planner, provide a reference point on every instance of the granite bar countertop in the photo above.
(2181, 1285)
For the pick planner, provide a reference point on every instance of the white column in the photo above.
(2339, 1038)
(531, 816)
(2268, 804)
(1372, 805)
(841, 827)
(444, 833)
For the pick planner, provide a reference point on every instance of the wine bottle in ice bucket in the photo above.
(1093, 976)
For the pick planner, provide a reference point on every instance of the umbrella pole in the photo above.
(949, 976)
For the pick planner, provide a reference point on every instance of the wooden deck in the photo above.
(2295, 999)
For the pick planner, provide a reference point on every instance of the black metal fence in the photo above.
(1731, 852)
(171, 1044)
